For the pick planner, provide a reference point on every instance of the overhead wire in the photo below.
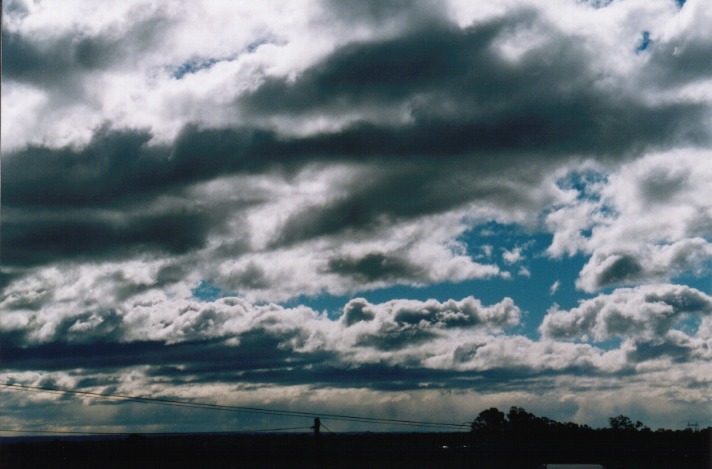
(327, 428)
(89, 432)
(232, 408)
(70, 432)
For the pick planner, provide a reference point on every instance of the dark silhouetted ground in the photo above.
(479, 449)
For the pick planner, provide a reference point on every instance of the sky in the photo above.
(405, 209)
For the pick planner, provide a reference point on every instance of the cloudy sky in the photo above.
(410, 209)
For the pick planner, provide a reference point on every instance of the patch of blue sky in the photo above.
(608, 344)
(531, 292)
(546, 281)
(193, 66)
(331, 304)
(197, 64)
(644, 43)
(208, 292)
(587, 183)
(688, 324)
(599, 3)
(701, 280)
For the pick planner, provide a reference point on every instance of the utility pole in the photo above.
(693, 426)
(316, 427)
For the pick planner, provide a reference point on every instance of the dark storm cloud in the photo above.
(661, 186)
(256, 352)
(56, 199)
(681, 299)
(119, 170)
(372, 267)
(590, 124)
(251, 276)
(679, 62)
(653, 350)
(357, 310)
(113, 165)
(623, 269)
(610, 269)
(60, 62)
(394, 192)
(388, 346)
(394, 337)
(25, 60)
(379, 377)
(251, 155)
(443, 318)
(120, 166)
(6, 278)
(232, 336)
(67, 333)
(259, 359)
(473, 113)
(403, 192)
(41, 241)
(364, 74)
(476, 119)
(466, 98)
(379, 14)
(171, 273)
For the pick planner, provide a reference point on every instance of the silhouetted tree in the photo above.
(491, 420)
(623, 423)
(521, 420)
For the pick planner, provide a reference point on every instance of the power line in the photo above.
(275, 429)
(70, 432)
(87, 432)
(118, 397)
(229, 408)
(327, 428)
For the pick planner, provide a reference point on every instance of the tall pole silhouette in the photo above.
(316, 427)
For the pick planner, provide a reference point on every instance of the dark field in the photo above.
(612, 449)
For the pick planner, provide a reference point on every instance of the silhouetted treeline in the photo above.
(517, 439)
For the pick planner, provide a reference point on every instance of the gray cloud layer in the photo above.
(466, 109)
(337, 148)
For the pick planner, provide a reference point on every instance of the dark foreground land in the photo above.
(668, 449)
